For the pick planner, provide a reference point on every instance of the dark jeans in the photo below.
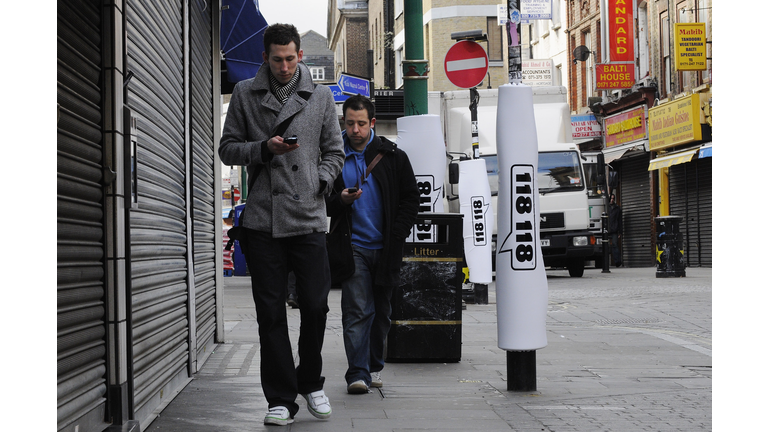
(615, 251)
(365, 309)
(268, 260)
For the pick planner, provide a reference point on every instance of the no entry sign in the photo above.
(466, 64)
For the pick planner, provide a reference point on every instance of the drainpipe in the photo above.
(415, 67)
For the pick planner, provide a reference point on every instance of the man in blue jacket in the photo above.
(378, 216)
(285, 214)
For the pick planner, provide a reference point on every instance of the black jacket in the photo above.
(614, 219)
(394, 175)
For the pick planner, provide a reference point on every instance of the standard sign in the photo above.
(466, 64)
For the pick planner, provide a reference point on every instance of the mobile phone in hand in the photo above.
(352, 190)
(291, 140)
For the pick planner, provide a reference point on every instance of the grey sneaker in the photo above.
(357, 387)
(278, 416)
(318, 404)
(376, 380)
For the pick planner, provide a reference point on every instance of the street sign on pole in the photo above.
(466, 64)
(352, 85)
(338, 96)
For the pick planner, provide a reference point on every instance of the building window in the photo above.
(588, 85)
(687, 79)
(666, 65)
(495, 40)
(642, 40)
(318, 73)
(703, 12)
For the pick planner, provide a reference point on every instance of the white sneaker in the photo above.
(376, 380)
(278, 416)
(357, 387)
(318, 404)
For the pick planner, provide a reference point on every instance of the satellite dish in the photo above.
(581, 53)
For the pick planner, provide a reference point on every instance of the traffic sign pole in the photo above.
(515, 53)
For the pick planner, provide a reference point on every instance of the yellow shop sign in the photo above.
(674, 123)
(690, 46)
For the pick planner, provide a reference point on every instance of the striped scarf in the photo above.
(283, 92)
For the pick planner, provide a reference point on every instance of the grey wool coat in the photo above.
(288, 196)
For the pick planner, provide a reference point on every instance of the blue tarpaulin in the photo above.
(242, 40)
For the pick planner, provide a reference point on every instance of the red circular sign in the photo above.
(466, 64)
(237, 194)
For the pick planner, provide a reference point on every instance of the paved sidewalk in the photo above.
(626, 352)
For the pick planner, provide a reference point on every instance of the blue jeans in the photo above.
(365, 309)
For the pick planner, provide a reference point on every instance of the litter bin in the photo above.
(241, 269)
(669, 247)
(426, 307)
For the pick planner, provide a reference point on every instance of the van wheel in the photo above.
(576, 267)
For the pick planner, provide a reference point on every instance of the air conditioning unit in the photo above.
(645, 82)
(592, 102)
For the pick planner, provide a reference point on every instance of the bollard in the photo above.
(606, 244)
(521, 371)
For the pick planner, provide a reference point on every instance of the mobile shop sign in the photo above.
(621, 37)
(611, 76)
(674, 123)
(625, 127)
(538, 72)
(536, 9)
(585, 126)
(690, 46)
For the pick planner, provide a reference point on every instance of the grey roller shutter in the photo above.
(690, 196)
(635, 199)
(203, 195)
(158, 222)
(81, 347)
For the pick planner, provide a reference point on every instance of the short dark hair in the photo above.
(357, 103)
(281, 34)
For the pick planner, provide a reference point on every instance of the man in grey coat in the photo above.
(285, 215)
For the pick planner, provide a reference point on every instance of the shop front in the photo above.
(626, 153)
(680, 139)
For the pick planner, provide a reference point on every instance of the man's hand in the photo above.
(348, 198)
(277, 146)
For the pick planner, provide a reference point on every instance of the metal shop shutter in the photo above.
(81, 384)
(690, 196)
(158, 223)
(637, 245)
(204, 216)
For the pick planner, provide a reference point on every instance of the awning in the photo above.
(705, 151)
(614, 153)
(673, 159)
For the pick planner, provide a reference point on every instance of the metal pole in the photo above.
(521, 371)
(606, 244)
(415, 67)
(515, 69)
(521, 365)
(481, 290)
